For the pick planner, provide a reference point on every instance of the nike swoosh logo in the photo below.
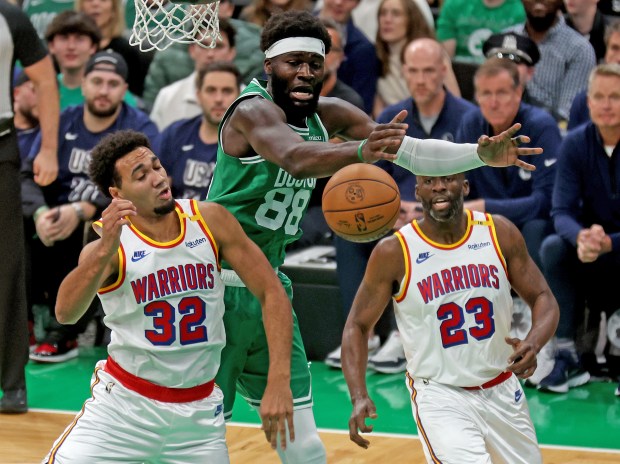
(70, 136)
(187, 147)
(420, 260)
(550, 162)
(138, 258)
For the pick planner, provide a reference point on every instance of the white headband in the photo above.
(296, 44)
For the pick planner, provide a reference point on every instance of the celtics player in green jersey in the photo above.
(273, 144)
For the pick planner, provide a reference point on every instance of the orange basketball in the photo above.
(361, 202)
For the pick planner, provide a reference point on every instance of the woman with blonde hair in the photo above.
(110, 17)
(259, 11)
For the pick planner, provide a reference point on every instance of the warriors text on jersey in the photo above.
(267, 201)
(454, 306)
(165, 309)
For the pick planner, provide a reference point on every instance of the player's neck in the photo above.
(159, 228)
(446, 233)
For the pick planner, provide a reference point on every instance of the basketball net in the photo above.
(160, 23)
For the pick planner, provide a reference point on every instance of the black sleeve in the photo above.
(32, 195)
(28, 47)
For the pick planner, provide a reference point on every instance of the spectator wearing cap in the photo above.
(522, 196)
(72, 38)
(585, 18)
(73, 199)
(520, 49)
(566, 57)
(579, 112)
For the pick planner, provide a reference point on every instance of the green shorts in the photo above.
(245, 358)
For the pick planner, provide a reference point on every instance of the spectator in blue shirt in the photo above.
(582, 260)
(524, 197)
(188, 148)
(579, 112)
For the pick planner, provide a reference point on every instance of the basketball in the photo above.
(361, 202)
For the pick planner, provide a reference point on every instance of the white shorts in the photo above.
(119, 425)
(458, 426)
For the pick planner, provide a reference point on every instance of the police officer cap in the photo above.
(512, 46)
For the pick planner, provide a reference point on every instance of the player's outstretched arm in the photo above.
(98, 262)
(385, 267)
(503, 149)
(251, 265)
(529, 283)
(262, 126)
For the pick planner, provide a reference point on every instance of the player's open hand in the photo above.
(523, 359)
(114, 217)
(276, 413)
(384, 140)
(363, 408)
(503, 150)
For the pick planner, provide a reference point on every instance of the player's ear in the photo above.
(115, 192)
(465, 187)
(417, 196)
(267, 66)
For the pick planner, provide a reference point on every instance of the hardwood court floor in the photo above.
(581, 427)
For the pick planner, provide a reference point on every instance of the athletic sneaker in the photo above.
(55, 348)
(567, 373)
(390, 358)
(333, 358)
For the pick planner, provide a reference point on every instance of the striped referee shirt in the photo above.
(566, 59)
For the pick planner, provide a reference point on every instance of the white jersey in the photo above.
(165, 309)
(454, 306)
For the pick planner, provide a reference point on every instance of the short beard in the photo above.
(165, 209)
(101, 113)
(542, 24)
(282, 99)
(454, 212)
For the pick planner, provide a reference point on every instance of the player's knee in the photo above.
(306, 449)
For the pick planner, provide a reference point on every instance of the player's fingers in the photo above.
(400, 117)
(291, 427)
(354, 435)
(529, 151)
(512, 130)
(523, 165)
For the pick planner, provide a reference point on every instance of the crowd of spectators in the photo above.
(532, 62)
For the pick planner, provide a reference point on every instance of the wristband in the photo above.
(359, 150)
(40, 210)
(79, 211)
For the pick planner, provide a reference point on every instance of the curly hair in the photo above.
(102, 168)
(294, 24)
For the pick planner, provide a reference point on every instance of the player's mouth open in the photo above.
(165, 194)
(303, 94)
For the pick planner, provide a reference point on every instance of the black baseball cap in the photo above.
(107, 60)
(512, 46)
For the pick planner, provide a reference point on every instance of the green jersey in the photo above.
(267, 201)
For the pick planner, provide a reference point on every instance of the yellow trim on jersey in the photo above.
(175, 241)
(205, 228)
(122, 270)
(498, 249)
(63, 437)
(443, 246)
(404, 285)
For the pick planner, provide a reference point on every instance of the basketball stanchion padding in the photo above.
(361, 202)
